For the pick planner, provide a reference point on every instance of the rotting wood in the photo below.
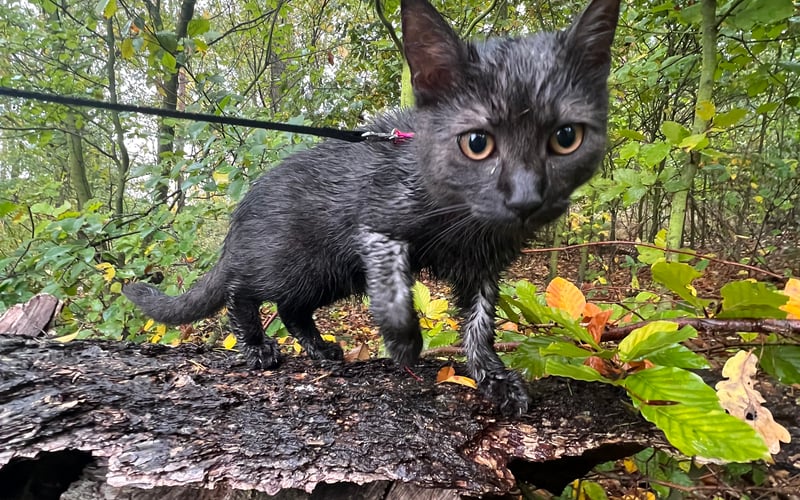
(195, 418)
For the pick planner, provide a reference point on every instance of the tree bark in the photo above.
(189, 419)
(677, 217)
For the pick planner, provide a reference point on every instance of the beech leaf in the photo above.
(739, 397)
(563, 295)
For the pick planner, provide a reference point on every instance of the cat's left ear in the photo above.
(592, 34)
(435, 54)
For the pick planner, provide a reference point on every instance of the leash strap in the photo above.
(332, 133)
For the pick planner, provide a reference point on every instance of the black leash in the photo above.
(344, 135)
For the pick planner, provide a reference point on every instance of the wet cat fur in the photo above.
(342, 219)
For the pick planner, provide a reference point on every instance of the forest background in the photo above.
(703, 150)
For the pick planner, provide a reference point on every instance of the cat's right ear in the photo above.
(592, 34)
(434, 52)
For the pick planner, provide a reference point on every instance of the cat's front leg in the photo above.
(506, 388)
(389, 283)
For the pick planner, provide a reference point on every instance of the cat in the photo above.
(504, 130)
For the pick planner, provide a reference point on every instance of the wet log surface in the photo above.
(191, 417)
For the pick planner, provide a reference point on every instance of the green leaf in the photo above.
(629, 150)
(566, 349)
(696, 141)
(750, 299)
(674, 132)
(729, 118)
(653, 154)
(689, 413)
(168, 61)
(678, 356)
(106, 8)
(197, 27)
(576, 372)
(677, 277)
(7, 207)
(705, 110)
(126, 48)
(652, 337)
(782, 362)
(759, 12)
(442, 339)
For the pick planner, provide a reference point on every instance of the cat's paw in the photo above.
(262, 357)
(507, 390)
(405, 353)
(325, 350)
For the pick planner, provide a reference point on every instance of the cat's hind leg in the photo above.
(260, 351)
(301, 325)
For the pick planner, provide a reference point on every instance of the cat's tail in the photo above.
(206, 297)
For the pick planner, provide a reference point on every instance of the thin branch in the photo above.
(650, 245)
(388, 25)
(478, 19)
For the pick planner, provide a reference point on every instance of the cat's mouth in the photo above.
(530, 216)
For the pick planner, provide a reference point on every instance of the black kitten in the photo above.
(505, 129)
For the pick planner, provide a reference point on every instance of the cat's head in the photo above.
(509, 127)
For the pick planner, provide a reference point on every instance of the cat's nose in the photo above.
(526, 196)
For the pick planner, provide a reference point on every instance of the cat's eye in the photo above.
(476, 145)
(567, 139)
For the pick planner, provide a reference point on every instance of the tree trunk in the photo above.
(188, 419)
(77, 165)
(166, 131)
(123, 160)
(705, 89)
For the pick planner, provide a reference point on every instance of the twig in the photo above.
(764, 325)
(649, 245)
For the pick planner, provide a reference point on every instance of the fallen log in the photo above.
(193, 422)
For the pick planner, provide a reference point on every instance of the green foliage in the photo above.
(650, 362)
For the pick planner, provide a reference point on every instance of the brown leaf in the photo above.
(358, 353)
(597, 324)
(739, 397)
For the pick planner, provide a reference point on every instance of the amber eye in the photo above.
(476, 145)
(567, 139)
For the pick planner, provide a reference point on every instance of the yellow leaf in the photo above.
(67, 338)
(705, 110)
(436, 308)
(563, 295)
(108, 270)
(220, 178)
(739, 397)
(792, 308)
(148, 325)
(630, 465)
(329, 338)
(229, 342)
(458, 379)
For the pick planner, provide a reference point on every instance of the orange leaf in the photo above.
(597, 324)
(445, 373)
(591, 310)
(603, 366)
(561, 294)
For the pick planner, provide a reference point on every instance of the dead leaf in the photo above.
(358, 353)
(229, 342)
(739, 397)
(590, 310)
(445, 373)
(597, 324)
(563, 295)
